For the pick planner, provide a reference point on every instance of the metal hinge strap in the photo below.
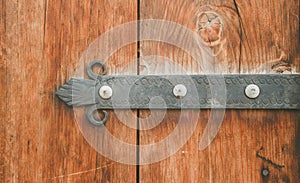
(184, 92)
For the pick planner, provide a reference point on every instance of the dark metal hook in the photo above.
(90, 116)
(90, 72)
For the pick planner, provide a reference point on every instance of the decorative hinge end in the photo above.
(65, 92)
(77, 92)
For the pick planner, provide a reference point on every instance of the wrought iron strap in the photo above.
(157, 92)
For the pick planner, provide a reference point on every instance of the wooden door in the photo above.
(42, 42)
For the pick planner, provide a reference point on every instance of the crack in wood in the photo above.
(240, 31)
(275, 165)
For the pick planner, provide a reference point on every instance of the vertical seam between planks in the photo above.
(45, 19)
(138, 111)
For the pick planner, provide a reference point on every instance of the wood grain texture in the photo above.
(3, 92)
(250, 37)
(41, 44)
(43, 41)
(270, 36)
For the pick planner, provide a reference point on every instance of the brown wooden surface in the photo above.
(42, 42)
(255, 37)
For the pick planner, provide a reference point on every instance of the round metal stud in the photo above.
(252, 91)
(265, 172)
(179, 90)
(105, 92)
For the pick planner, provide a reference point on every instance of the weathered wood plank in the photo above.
(3, 92)
(44, 42)
(248, 141)
(23, 42)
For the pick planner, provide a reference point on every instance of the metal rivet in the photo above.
(252, 91)
(105, 92)
(179, 90)
(265, 172)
